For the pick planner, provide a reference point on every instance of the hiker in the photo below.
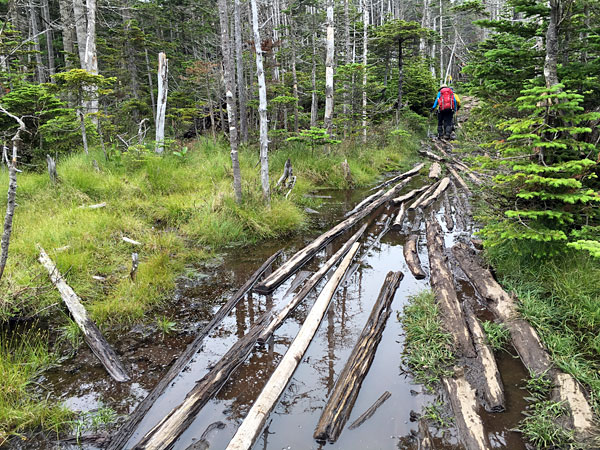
(447, 103)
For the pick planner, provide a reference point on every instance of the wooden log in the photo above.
(310, 284)
(366, 201)
(92, 335)
(415, 170)
(130, 241)
(436, 193)
(399, 220)
(287, 173)
(411, 256)
(448, 214)
(52, 169)
(458, 179)
(301, 257)
(167, 431)
(442, 284)
(435, 171)
(298, 280)
(135, 262)
(431, 155)
(120, 438)
(474, 178)
(417, 203)
(253, 423)
(411, 194)
(464, 406)
(425, 437)
(346, 389)
(369, 412)
(526, 340)
(493, 389)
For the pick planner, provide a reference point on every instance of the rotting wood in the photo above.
(464, 406)
(167, 431)
(399, 220)
(442, 284)
(119, 440)
(253, 423)
(130, 241)
(431, 155)
(298, 280)
(493, 389)
(92, 335)
(346, 389)
(411, 194)
(369, 412)
(302, 256)
(435, 171)
(411, 256)
(526, 340)
(287, 173)
(458, 179)
(448, 213)
(366, 201)
(417, 203)
(425, 438)
(415, 170)
(435, 194)
(310, 284)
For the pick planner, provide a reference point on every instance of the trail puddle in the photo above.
(83, 385)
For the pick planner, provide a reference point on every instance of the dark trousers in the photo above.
(445, 125)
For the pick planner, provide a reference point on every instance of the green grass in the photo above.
(541, 429)
(427, 346)
(497, 335)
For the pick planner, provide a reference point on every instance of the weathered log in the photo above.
(435, 171)
(415, 170)
(92, 335)
(417, 203)
(431, 155)
(287, 173)
(411, 256)
(399, 220)
(526, 340)
(301, 257)
(310, 284)
(464, 406)
(135, 262)
(425, 437)
(252, 425)
(346, 389)
(366, 201)
(369, 412)
(119, 440)
(493, 389)
(130, 241)
(435, 194)
(474, 178)
(458, 179)
(168, 430)
(448, 214)
(442, 284)
(411, 194)
(52, 169)
(298, 280)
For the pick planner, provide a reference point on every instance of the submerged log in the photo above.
(448, 214)
(346, 389)
(411, 256)
(415, 170)
(119, 440)
(526, 341)
(301, 257)
(435, 194)
(435, 171)
(92, 335)
(369, 412)
(308, 287)
(253, 423)
(442, 284)
(399, 220)
(464, 406)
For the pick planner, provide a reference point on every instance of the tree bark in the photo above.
(365, 63)
(91, 57)
(329, 60)
(161, 107)
(314, 104)
(551, 59)
(239, 59)
(45, 8)
(66, 23)
(34, 32)
(411, 256)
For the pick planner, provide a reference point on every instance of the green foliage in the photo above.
(428, 347)
(438, 413)
(541, 427)
(497, 335)
(92, 421)
(165, 325)
(314, 137)
(538, 386)
(419, 87)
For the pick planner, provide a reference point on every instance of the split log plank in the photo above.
(435, 171)
(310, 284)
(474, 178)
(442, 283)
(411, 194)
(301, 257)
(130, 241)
(369, 412)
(415, 170)
(448, 213)
(458, 179)
(346, 389)
(92, 335)
(411, 256)
(431, 155)
(252, 425)
(366, 201)
(464, 406)
(119, 440)
(435, 194)
(526, 340)
(399, 220)
(417, 203)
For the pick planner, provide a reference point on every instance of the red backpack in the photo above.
(446, 99)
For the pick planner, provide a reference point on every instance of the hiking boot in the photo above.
(447, 137)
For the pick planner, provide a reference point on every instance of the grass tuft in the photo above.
(497, 335)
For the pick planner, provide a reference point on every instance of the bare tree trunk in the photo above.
(80, 29)
(130, 51)
(150, 84)
(34, 32)
(66, 23)
(163, 85)
(365, 62)
(45, 8)
(228, 75)
(347, 60)
(441, 41)
(425, 19)
(550, 62)
(329, 69)
(294, 79)
(314, 107)
(262, 108)
(91, 57)
(239, 58)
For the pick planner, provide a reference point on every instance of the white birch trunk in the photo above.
(365, 61)
(262, 107)
(34, 36)
(161, 106)
(91, 57)
(80, 30)
(45, 9)
(329, 69)
(240, 71)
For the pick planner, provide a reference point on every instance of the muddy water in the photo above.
(83, 385)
